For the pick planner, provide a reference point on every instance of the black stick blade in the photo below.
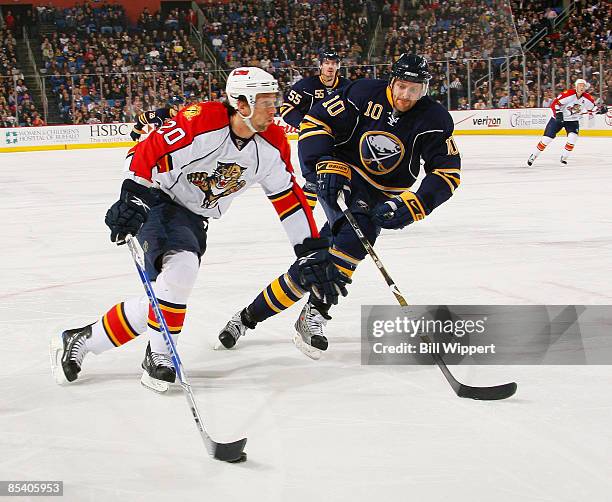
(487, 393)
(229, 452)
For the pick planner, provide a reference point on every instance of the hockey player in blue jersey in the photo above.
(156, 117)
(366, 140)
(308, 92)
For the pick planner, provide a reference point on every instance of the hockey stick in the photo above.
(228, 452)
(483, 393)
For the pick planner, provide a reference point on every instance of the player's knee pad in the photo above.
(572, 137)
(178, 276)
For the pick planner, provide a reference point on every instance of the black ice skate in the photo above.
(158, 370)
(67, 352)
(234, 329)
(531, 159)
(309, 337)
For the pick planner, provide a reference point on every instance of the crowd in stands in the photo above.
(16, 105)
(100, 67)
(285, 35)
(457, 34)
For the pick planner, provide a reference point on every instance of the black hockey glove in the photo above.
(317, 273)
(128, 214)
(135, 135)
(559, 117)
(400, 211)
(603, 109)
(332, 176)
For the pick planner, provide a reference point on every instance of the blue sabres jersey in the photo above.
(358, 126)
(304, 95)
(154, 117)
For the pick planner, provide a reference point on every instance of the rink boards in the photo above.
(529, 121)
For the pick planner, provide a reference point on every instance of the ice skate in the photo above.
(158, 372)
(531, 159)
(309, 337)
(563, 160)
(67, 351)
(234, 329)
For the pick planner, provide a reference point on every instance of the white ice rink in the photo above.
(331, 430)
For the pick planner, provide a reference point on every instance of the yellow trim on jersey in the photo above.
(345, 271)
(344, 256)
(294, 289)
(318, 122)
(447, 175)
(285, 109)
(312, 133)
(173, 309)
(269, 302)
(389, 95)
(280, 295)
(378, 185)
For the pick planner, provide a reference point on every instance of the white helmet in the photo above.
(581, 81)
(249, 82)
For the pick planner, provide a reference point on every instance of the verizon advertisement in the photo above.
(514, 121)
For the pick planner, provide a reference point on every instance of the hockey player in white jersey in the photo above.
(567, 109)
(186, 172)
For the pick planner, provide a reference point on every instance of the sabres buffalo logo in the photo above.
(381, 152)
(223, 181)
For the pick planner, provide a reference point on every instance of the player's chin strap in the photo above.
(247, 120)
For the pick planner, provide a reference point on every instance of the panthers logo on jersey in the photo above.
(224, 181)
(192, 111)
(575, 108)
(381, 152)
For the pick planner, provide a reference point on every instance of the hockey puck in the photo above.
(243, 457)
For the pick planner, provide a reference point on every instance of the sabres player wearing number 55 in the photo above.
(367, 141)
(156, 117)
(186, 172)
(308, 92)
(567, 108)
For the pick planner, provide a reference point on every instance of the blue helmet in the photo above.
(331, 55)
(411, 67)
(175, 101)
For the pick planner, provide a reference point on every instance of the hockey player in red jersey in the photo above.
(567, 108)
(186, 172)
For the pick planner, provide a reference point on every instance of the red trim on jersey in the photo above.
(275, 135)
(556, 101)
(589, 97)
(284, 202)
(194, 120)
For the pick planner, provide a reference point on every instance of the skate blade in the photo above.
(56, 348)
(219, 346)
(307, 350)
(159, 386)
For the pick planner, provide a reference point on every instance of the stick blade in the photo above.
(229, 452)
(494, 393)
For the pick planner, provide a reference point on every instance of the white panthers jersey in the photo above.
(195, 161)
(572, 106)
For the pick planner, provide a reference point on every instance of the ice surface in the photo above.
(328, 430)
